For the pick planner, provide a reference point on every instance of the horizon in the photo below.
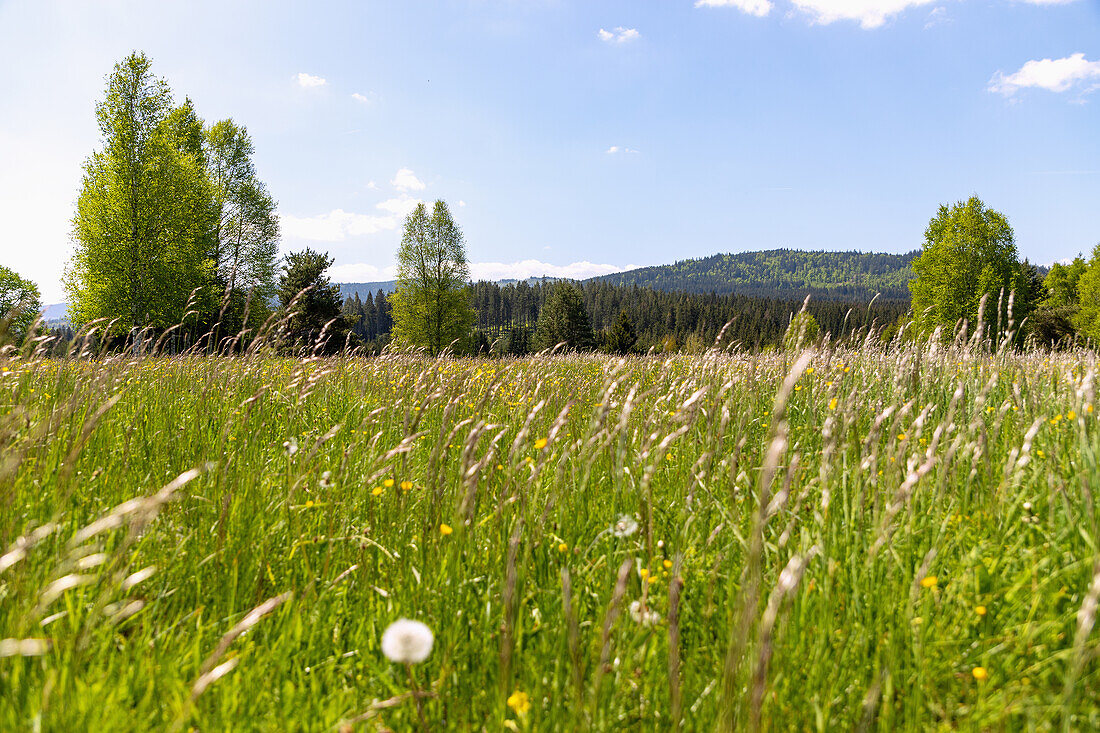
(575, 141)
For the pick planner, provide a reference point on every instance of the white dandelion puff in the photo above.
(290, 447)
(326, 480)
(625, 526)
(407, 641)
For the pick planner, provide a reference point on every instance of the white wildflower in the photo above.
(625, 526)
(641, 615)
(290, 447)
(407, 641)
(326, 480)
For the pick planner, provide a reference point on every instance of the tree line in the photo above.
(783, 273)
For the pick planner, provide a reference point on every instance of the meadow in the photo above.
(850, 537)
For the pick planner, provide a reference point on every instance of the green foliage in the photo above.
(244, 240)
(430, 302)
(20, 306)
(1062, 281)
(781, 273)
(969, 252)
(802, 333)
(171, 217)
(1087, 317)
(564, 320)
(311, 302)
(143, 211)
(621, 337)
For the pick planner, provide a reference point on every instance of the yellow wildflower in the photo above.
(377, 491)
(406, 485)
(540, 443)
(445, 529)
(980, 610)
(519, 702)
(929, 581)
(979, 673)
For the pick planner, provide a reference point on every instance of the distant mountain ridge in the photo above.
(782, 273)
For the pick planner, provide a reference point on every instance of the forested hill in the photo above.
(782, 273)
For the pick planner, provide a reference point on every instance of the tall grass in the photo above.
(846, 538)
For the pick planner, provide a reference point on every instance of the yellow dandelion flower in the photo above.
(406, 485)
(309, 504)
(979, 673)
(519, 702)
(377, 491)
(644, 572)
(980, 610)
(902, 436)
(1071, 415)
(667, 564)
(540, 443)
(929, 581)
(388, 483)
(562, 547)
(832, 404)
(445, 529)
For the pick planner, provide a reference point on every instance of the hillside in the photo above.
(782, 273)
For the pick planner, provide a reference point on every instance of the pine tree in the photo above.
(564, 319)
(311, 302)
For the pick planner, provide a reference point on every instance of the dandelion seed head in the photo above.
(624, 526)
(407, 642)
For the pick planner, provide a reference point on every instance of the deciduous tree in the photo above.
(969, 251)
(142, 213)
(430, 302)
(20, 306)
(245, 235)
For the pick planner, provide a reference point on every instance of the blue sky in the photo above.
(576, 137)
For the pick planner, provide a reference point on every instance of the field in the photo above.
(847, 538)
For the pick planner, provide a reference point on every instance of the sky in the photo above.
(579, 137)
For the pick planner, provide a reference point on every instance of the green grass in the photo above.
(863, 473)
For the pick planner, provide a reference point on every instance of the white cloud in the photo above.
(869, 13)
(614, 149)
(335, 226)
(461, 204)
(534, 268)
(367, 98)
(406, 180)
(338, 225)
(759, 8)
(360, 272)
(618, 35)
(938, 16)
(309, 80)
(1055, 75)
(400, 206)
